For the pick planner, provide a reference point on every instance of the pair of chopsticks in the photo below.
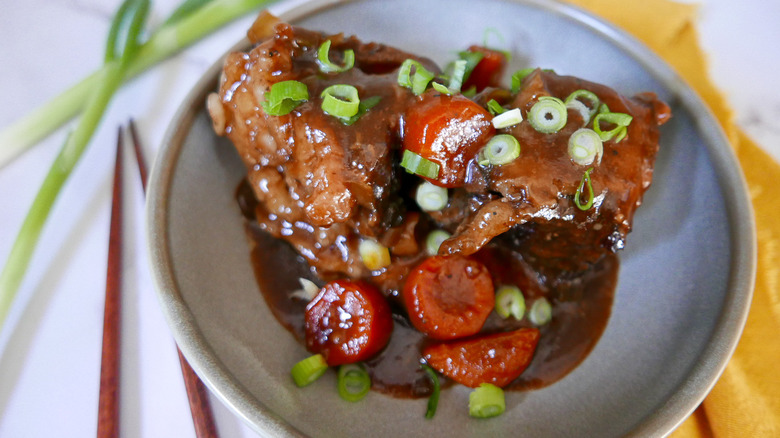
(108, 404)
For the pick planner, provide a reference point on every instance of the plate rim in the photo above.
(667, 417)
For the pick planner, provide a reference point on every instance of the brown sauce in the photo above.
(581, 308)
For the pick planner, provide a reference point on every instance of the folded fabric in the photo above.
(745, 401)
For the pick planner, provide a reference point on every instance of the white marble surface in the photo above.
(50, 344)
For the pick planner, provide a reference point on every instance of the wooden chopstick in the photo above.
(108, 402)
(197, 394)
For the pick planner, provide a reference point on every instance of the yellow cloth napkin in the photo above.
(746, 400)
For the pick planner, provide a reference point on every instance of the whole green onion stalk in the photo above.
(193, 20)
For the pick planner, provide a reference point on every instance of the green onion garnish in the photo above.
(518, 76)
(500, 150)
(441, 88)
(417, 81)
(415, 163)
(308, 370)
(494, 107)
(374, 255)
(486, 401)
(365, 105)
(472, 59)
(574, 101)
(434, 240)
(354, 382)
(456, 79)
(585, 180)
(340, 101)
(540, 312)
(510, 301)
(620, 119)
(326, 66)
(431, 197)
(433, 400)
(507, 118)
(548, 115)
(585, 146)
(284, 97)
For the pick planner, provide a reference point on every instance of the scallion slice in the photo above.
(431, 197)
(500, 150)
(585, 181)
(548, 115)
(621, 121)
(458, 75)
(585, 146)
(507, 118)
(326, 66)
(494, 107)
(365, 105)
(375, 256)
(417, 81)
(308, 370)
(574, 101)
(441, 88)
(434, 240)
(340, 101)
(518, 76)
(433, 400)
(284, 96)
(354, 382)
(540, 312)
(510, 301)
(472, 59)
(486, 401)
(417, 164)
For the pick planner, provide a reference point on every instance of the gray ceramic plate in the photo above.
(684, 287)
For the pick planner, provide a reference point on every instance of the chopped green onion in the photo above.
(431, 197)
(375, 256)
(548, 115)
(417, 164)
(441, 88)
(340, 101)
(434, 240)
(603, 108)
(456, 79)
(540, 312)
(518, 76)
(472, 59)
(486, 401)
(585, 180)
(308, 370)
(470, 92)
(494, 107)
(365, 105)
(417, 81)
(510, 301)
(433, 400)
(585, 146)
(574, 102)
(621, 121)
(500, 150)
(284, 97)
(507, 118)
(326, 66)
(354, 382)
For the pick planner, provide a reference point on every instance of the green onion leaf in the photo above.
(507, 118)
(354, 382)
(585, 181)
(574, 101)
(415, 163)
(518, 76)
(548, 115)
(122, 43)
(434, 240)
(486, 401)
(621, 121)
(472, 59)
(510, 301)
(186, 8)
(326, 66)
(585, 146)
(433, 400)
(417, 81)
(308, 370)
(340, 101)
(540, 312)
(365, 105)
(374, 255)
(458, 76)
(441, 88)
(494, 107)
(284, 97)
(500, 150)
(431, 197)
